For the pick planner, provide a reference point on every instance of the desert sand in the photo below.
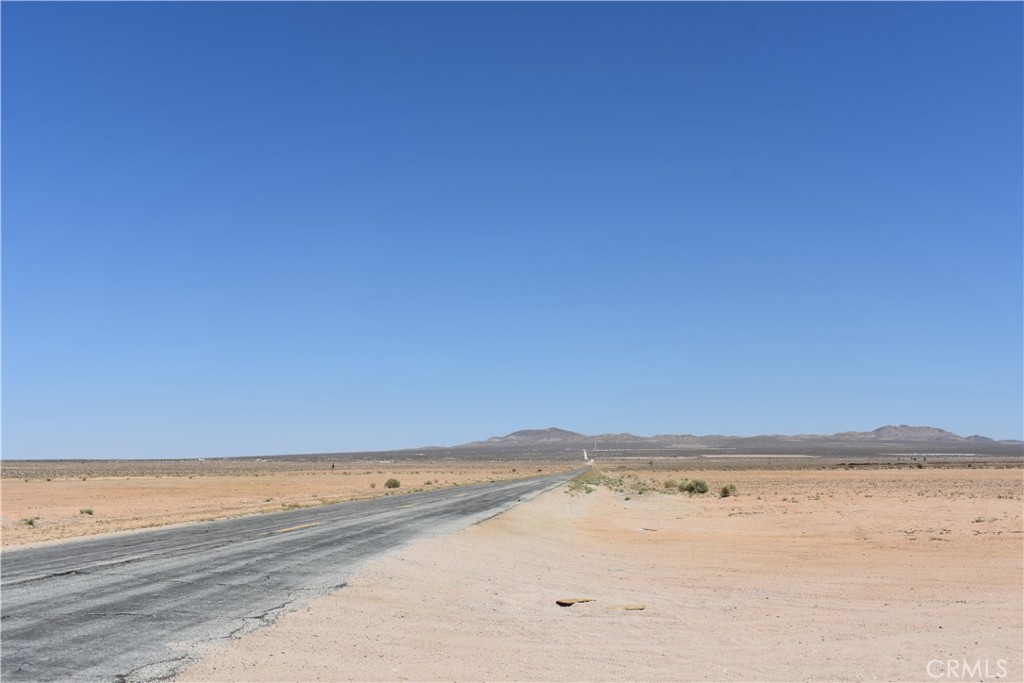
(905, 574)
(48, 501)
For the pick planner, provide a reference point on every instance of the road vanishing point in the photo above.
(137, 606)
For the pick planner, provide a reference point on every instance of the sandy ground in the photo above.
(70, 499)
(805, 575)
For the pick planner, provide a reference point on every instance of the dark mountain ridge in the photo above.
(901, 433)
(888, 438)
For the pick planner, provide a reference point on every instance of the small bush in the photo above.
(373, 485)
(695, 486)
(85, 511)
(29, 521)
(392, 483)
(727, 490)
(671, 484)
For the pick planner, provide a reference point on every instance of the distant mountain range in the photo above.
(897, 437)
(890, 441)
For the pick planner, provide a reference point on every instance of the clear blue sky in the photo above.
(235, 229)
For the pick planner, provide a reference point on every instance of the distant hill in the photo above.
(553, 435)
(887, 443)
(888, 438)
(907, 433)
(532, 436)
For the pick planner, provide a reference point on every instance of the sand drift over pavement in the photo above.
(801, 575)
(128, 607)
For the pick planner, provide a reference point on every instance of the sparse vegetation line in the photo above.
(630, 484)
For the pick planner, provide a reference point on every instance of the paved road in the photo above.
(131, 607)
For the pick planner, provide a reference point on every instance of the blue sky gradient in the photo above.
(257, 228)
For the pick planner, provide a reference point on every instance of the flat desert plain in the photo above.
(811, 573)
(47, 501)
(881, 574)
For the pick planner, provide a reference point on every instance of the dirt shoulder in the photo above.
(50, 501)
(845, 575)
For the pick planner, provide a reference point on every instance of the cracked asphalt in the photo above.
(134, 607)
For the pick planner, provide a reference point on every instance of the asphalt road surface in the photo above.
(132, 607)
